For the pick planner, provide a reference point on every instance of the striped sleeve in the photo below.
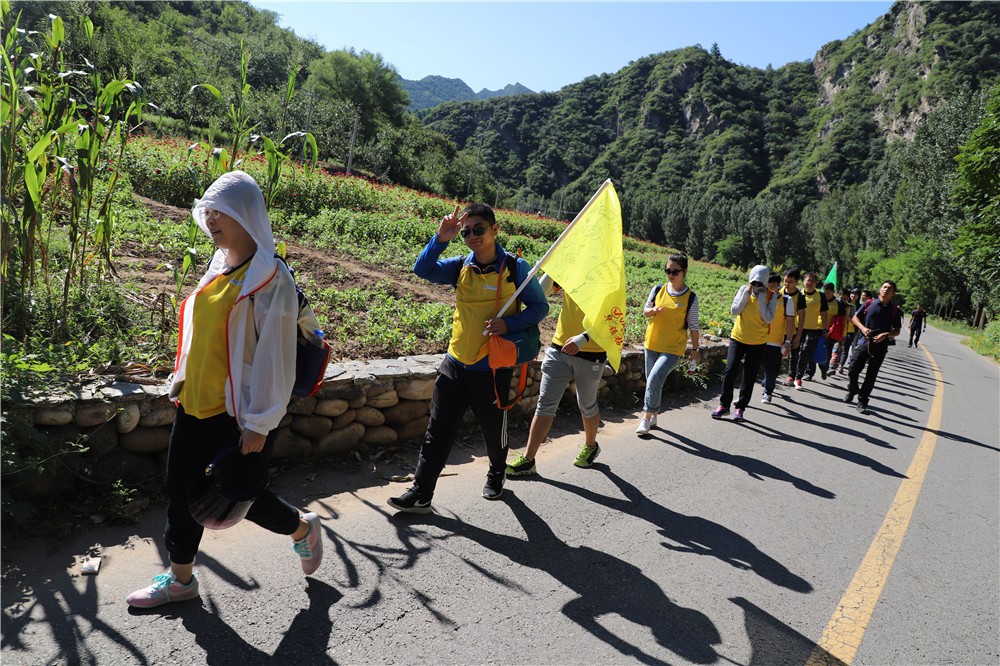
(693, 313)
(651, 301)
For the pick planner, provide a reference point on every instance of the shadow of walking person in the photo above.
(691, 534)
(605, 585)
(774, 643)
(305, 641)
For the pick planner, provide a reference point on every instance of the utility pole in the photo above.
(354, 136)
(309, 115)
(479, 152)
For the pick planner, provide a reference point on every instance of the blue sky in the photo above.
(548, 45)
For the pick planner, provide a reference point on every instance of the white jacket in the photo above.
(261, 330)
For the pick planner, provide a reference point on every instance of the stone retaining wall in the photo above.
(127, 425)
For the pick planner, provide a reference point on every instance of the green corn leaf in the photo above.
(58, 31)
(209, 87)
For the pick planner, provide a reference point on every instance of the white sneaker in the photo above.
(766, 398)
(652, 421)
(644, 427)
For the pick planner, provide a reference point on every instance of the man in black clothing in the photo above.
(878, 322)
(918, 322)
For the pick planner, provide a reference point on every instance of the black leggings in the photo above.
(751, 355)
(455, 390)
(193, 444)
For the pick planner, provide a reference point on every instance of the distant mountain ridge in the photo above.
(433, 90)
(689, 120)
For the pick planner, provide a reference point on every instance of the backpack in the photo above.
(512, 349)
(312, 351)
(836, 330)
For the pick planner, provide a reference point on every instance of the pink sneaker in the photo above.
(164, 589)
(738, 416)
(310, 547)
(719, 412)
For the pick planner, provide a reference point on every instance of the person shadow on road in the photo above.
(605, 585)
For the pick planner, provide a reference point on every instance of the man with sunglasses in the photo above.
(878, 322)
(464, 378)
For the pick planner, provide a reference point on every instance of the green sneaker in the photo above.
(521, 466)
(587, 456)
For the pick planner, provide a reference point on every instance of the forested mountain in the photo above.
(691, 120)
(433, 90)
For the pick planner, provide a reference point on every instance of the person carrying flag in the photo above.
(572, 356)
(464, 378)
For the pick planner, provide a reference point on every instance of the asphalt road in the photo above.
(810, 533)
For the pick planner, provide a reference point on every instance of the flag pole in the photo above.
(555, 244)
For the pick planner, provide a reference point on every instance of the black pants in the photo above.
(807, 348)
(845, 349)
(873, 356)
(751, 356)
(193, 444)
(772, 366)
(455, 390)
(793, 359)
(915, 334)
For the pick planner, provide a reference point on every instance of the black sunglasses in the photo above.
(674, 271)
(477, 230)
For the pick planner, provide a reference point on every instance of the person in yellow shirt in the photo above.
(572, 356)
(488, 274)
(791, 289)
(753, 307)
(779, 336)
(672, 313)
(814, 327)
(232, 381)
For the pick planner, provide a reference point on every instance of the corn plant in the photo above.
(238, 112)
(57, 125)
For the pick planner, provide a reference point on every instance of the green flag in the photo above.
(832, 276)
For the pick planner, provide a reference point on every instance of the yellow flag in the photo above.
(589, 264)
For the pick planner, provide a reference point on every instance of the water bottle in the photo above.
(692, 366)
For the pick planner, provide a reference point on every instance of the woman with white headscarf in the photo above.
(232, 381)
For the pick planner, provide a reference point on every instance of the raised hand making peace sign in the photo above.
(450, 224)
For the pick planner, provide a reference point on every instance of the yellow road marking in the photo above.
(842, 636)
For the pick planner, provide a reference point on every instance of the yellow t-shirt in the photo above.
(204, 391)
(475, 304)
(851, 311)
(776, 329)
(815, 304)
(749, 327)
(666, 333)
(570, 325)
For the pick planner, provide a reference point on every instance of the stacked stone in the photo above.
(377, 403)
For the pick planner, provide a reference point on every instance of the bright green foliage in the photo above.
(977, 190)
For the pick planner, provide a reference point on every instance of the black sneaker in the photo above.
(494, 486)
(862, 407)
(849, 398)
(410, 502)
